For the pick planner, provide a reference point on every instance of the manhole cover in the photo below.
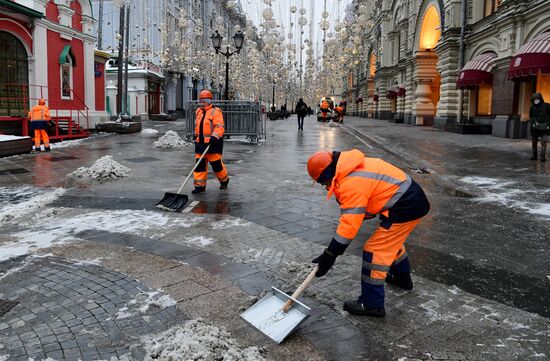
(142, 159)
(57, 159)
(6, 306)
(420, 170)
(13, 171)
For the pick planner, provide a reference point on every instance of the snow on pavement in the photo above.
(510, 194)
(45, 231)
(143, 302)
(104, 169)
(230, 222)
(196, 340)
(16, 202)
(149, 132)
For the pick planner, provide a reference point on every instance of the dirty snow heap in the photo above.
(104, 169)
(170, 140)
(198, 341)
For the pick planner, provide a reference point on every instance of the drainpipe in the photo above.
(461, 53)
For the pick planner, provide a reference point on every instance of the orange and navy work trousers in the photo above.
(41, 135)
(201, 172)
(384, 252)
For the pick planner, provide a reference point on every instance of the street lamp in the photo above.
(238, 38)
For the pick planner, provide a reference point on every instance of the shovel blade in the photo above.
(173, 202)
(265, 315)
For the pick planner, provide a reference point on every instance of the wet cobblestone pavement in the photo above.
(480, 268)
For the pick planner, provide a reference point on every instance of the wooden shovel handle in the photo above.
(301, 288)
(192, 170)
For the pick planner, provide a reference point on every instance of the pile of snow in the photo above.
(149, 132)
(195, 340)
(104, 169)
(170, 140)
(46, 231)
(143, 302)
(17, 202)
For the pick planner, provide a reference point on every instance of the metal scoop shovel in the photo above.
(277, 314)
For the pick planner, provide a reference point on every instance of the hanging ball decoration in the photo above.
(324, 14)
(219, 20)
(302, 20)
(290, 35)
(330, 35)
(324, 25)
(267, 14)
(338, 28)
(230, 4)
(302, 11)
(267, 2)
(293, 9)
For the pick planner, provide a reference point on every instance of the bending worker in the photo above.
(365, 187)
(39, 116)
(209, 129)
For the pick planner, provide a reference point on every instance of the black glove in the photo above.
(325, 262)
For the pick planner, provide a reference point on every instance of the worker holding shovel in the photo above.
(365, 187)
(209, 129)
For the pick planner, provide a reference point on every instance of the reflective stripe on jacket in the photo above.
(208, 123)
(364, 187)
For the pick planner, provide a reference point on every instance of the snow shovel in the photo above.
(277, 314)
(174, 202)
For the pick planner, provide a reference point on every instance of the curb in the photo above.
(406, 163)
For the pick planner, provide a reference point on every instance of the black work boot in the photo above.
(47, 149)
(198, 190)
(534, 156)
(403, 280)
(357, 308)
(223, 185)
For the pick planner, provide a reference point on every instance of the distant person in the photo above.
(325, 108)
(40, 117)
(301, 111)
(339, 114)
(209, 129)
(344, 104)
(539, 115)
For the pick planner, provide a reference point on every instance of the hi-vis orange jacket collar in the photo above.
(347, 163)
(207, 107)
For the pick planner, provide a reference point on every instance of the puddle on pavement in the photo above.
(13, 171)
(213, 207)
(58, 159)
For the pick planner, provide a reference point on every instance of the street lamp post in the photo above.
(217, 43)
(273, 103)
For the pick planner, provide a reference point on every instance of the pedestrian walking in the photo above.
(539, 115)
(209, 129)
(40, 117)
(301, 112)
(365, 187)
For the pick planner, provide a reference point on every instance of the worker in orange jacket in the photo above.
(339, 113)
(325, 108)
(209, 129)
(39, 116)
(365, 187)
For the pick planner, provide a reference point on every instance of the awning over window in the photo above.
(477, 71)
(64, 56)
(401, 90)
(532, 58)
(392, 92)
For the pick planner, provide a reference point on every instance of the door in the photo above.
(14, 76)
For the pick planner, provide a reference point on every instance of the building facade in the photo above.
(424, 62)
(48, 52)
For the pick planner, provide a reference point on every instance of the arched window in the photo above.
(66, 77)
(14, 71)
(430, 31)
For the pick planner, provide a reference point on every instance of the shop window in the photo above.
(491, 6)
(543, 86)
(484, 99)
(66, 72)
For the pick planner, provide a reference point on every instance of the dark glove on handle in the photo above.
(325, 262)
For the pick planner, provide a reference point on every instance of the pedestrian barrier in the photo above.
(241, 118)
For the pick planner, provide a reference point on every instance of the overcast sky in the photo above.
(281, 11)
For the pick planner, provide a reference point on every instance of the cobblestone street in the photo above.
(98, 269)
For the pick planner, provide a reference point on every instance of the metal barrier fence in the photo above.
(241, 118)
